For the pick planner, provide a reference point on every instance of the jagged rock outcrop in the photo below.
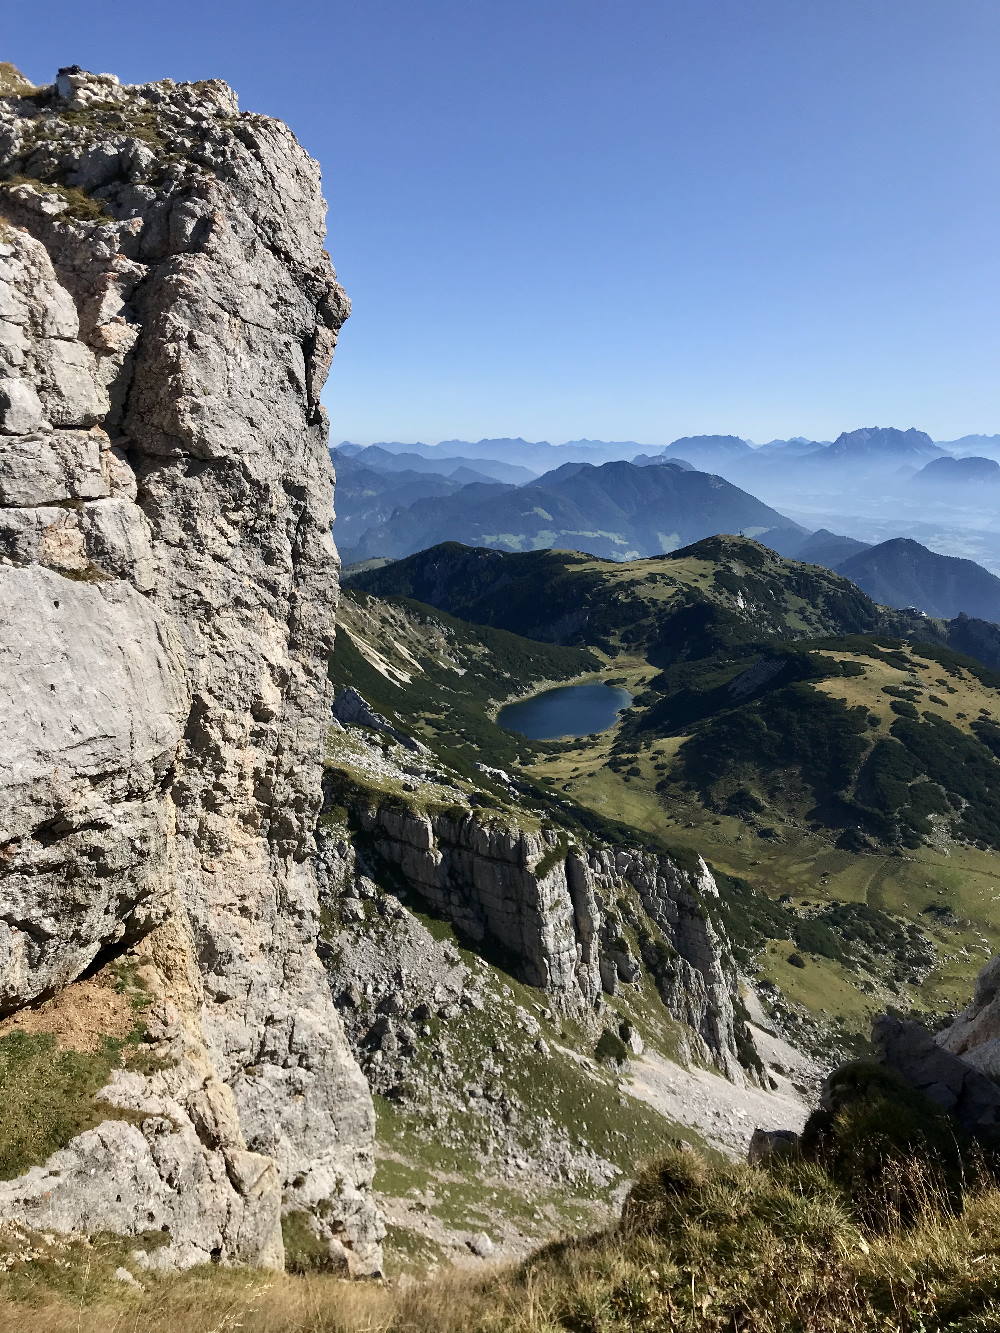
(957, 1068)
(950, 1080)
(167, 597)
(555, 913)
(443, 1037)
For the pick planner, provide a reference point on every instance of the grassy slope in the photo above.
(53, 1064)
(566, 596)
(441, 679)
(946, 887)
(640, 610)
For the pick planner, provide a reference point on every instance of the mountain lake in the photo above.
(566, 711)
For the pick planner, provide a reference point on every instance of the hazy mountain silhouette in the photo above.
(616, 510)
(903, 573)
(959, 472)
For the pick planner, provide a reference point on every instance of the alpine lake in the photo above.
(565, 711)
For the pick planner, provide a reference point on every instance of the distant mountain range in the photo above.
(973, 444)
(902, 573)
(537, 455)
(392, 504)
(709, 452)
(456, 466)
(880, 444)
(367, 497)
(829, 549)
(616, 510)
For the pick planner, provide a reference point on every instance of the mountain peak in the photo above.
(872, 442)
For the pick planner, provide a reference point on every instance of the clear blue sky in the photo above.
(620, 218)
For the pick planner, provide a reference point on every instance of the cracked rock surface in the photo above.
(167, 598)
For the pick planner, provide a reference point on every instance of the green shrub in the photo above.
(902, 708)
(552, 856)
(963, 766)
(610, 1049)
(887, 1146)
(748, 917)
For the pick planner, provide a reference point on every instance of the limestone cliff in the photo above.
(975, 1033)
(575, 919)
(167, 598)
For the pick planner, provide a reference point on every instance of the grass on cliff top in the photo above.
(700, 1249)
(12, 82)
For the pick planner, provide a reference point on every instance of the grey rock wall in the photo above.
(554, 913)
(167, 600)
(958, 1068)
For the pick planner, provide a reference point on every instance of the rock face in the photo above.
(951, 1080)
(352, 709)
(167, 598)
(958, 1068)
(556, 913)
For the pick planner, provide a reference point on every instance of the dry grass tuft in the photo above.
(701, 1249)
(12, 82)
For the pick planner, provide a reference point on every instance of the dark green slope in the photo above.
(904, 573)
(438, 677)
(885, 742)
(719, 591)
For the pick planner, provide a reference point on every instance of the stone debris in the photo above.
(351, 709)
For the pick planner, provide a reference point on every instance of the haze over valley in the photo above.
(911, 521)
